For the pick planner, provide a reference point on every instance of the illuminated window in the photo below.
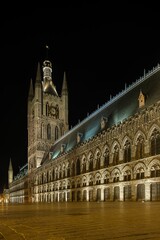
(140, 147)
(155, 142)
(141, 99)
(127, 151)
(106, 157)
(116, 155)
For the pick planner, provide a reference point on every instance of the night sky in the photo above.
(100, 47)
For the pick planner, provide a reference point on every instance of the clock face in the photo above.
(53, 111)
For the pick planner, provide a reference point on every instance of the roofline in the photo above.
(113, 99)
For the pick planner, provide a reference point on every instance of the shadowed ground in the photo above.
(81, 221)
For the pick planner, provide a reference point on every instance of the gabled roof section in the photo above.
(116, 110)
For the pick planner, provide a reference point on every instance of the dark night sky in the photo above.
(100, 47)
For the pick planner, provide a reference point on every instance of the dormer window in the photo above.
(63, 146)
(141, 99)
(103, 122)
(79, 136)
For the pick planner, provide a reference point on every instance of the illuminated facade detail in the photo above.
(79, 137)
(141, 99)
(103, 123)
(111, 158)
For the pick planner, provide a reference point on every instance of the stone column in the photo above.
(102, 194)
(112, 193)
(87, 195)
(147, 191)
(121, 193)
(134, 192)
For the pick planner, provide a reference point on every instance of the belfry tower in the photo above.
(47, 114)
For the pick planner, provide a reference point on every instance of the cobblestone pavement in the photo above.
(81, 221)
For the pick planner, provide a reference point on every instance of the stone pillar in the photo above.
(134, 192)
(147, 191)
(65, 196)
(57, 196)
(121, 193)
(102, 194)
(112, 193)
(87, 195)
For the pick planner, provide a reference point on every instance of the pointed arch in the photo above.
(98, 177)
(126, 149)
(126, 173)
(56, 133)
(90, 161)
(154, 168)
(78, 171)
(154, 140)
(97, 157)
(83, 162)
(106, 155)
(115, 174)
(154, 126)
(139, 170)
(115, 152)
(48, 131)
(139, 143)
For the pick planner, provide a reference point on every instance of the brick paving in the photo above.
(81, 221)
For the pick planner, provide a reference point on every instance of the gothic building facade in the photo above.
(112, 155)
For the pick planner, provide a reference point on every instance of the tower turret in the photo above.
(10, 172)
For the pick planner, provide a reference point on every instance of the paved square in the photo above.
(81, 221)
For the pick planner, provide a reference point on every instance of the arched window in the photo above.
(48, 131)
(140, 173)
(127, 176)
(97, 161)
(47, 109)
(116, 155)
(140, 148)
(106, 157)
(84, 166)
(91, 163)
(78, 167)
(68, 171)
(127, 151)
(155, 142)
(155, 171)
(73, 169)
(56, 133)
(42, 130)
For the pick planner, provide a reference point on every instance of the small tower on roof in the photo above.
(10, 173)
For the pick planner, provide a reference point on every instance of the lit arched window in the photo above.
(116, 155)
(127, 151)
(106, 157)
(78, 167)
(140, 147)
(155, 142)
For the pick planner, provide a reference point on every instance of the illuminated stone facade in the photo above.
(112, 155)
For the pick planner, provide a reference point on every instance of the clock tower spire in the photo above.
(47, 115)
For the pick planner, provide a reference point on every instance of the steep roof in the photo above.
(120, 107)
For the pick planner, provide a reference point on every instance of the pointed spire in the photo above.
(10, 165)
(64, 86)
(38, 76)
(10, 172)
(30, 95)
(47, 50)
